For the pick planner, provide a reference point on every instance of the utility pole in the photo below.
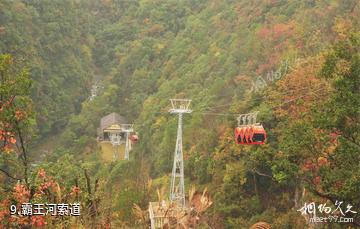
(177, 188)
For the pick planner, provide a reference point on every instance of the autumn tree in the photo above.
(340, 178)
(15, 115)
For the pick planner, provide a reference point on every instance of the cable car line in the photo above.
(260, 97)
(249, 132)
(236, 114)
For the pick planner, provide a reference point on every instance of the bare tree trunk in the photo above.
(255, 186)
(92, 201)
(297, 196)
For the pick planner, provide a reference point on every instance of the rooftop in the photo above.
(111, 119)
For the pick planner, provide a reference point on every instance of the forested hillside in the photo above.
(296, 62)
(52, 39)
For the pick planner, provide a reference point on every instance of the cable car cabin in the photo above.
(250, 135)
(134, 138)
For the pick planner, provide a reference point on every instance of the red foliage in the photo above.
(280, 30)
(41, 173)
(75, 190)
(264, 33)
(19, 114)
(299, 90)
(322, 161)
(8, 139)
(6, 136)
(334, 135)
(309, 166)
(38, 221)
(4, 209)
(48, 185)
(276, 32)
(21, 193)
(299, 44)
(339, 185)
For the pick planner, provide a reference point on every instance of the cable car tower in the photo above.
(115, 139)
(120, 134)
(177, 188)
(127, 129)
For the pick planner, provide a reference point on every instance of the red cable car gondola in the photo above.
(134, 138)
(250, 135)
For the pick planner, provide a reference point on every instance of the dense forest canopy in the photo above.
(296, 62)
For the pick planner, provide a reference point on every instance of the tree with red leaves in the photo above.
(15, 111)
(15, 127)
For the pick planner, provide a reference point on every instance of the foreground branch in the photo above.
(10, 176)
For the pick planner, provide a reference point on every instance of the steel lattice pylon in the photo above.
(127, 129)
(116, 134)
(177, 188)
(115, 139)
